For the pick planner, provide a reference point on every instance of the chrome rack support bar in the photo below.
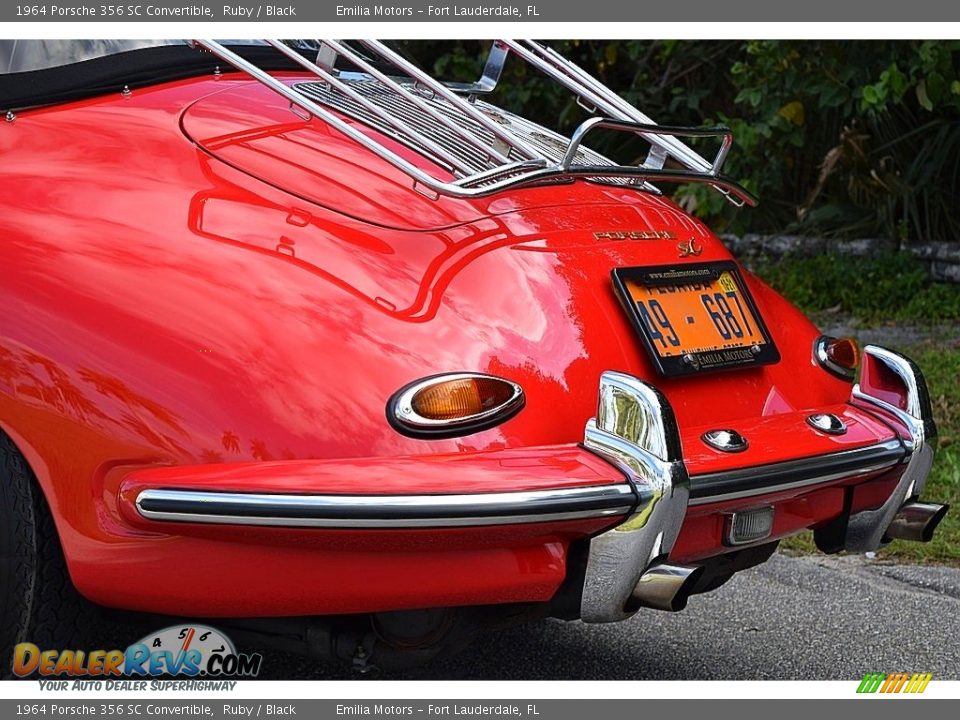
(390, 120)
(492, 69)
(592, 90)
(455, 100)
(424, 107)
(614, 105)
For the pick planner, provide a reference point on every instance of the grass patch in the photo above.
(874, 290)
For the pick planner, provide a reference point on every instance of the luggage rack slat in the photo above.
(357, 60)
(452, 161)
(450, 96)
(477, 149)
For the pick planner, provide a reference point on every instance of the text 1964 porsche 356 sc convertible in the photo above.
(300, 339)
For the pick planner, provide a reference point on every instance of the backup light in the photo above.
(748, 526)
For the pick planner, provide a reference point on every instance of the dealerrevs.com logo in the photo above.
(899, 682)
(180, 650)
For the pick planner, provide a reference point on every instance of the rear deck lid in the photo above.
(254, 130)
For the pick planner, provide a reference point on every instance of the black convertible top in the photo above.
(138, 67)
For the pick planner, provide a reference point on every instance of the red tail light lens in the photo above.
(840, 356)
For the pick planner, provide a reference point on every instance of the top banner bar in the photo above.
(614, 11)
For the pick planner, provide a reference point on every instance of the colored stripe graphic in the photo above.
(923, 679)
(871, 683)
(901, 682)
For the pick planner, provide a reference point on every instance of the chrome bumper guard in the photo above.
(867, 531)
(635, 429)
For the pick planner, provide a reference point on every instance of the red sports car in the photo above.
(300, 340)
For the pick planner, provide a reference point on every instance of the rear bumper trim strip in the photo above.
(385, 511)
(793, 474)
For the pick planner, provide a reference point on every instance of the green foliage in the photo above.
(851, 138)
(841, 138)
(887, 287)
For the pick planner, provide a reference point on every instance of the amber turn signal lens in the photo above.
(458, 399)
(841, 356)
(454, 404)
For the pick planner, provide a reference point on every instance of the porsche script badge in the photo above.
(634, 235)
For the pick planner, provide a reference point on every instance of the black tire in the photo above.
(18, 551)
(38, 603)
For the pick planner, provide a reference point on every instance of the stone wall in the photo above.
(941, 259)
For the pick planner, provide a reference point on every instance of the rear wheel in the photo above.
(18, 549)
(38, 603)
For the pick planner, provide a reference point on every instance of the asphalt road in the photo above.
(809, 618)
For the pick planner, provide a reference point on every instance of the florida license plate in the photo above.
(695, 318)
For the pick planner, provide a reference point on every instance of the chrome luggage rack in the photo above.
(477, 149)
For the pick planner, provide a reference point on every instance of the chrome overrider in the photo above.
(635, 429)
(866, 531)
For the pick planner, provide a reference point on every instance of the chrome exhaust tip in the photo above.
(665, 587)
(916, 521)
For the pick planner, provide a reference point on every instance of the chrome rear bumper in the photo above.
(635, 429)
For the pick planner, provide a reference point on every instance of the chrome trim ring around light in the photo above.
(635, 430)
(405, 419)
(866, 531)
(820, 353)
(385, 511)
(793, 474)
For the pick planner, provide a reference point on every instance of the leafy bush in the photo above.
(851, 138)
(841, 138)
